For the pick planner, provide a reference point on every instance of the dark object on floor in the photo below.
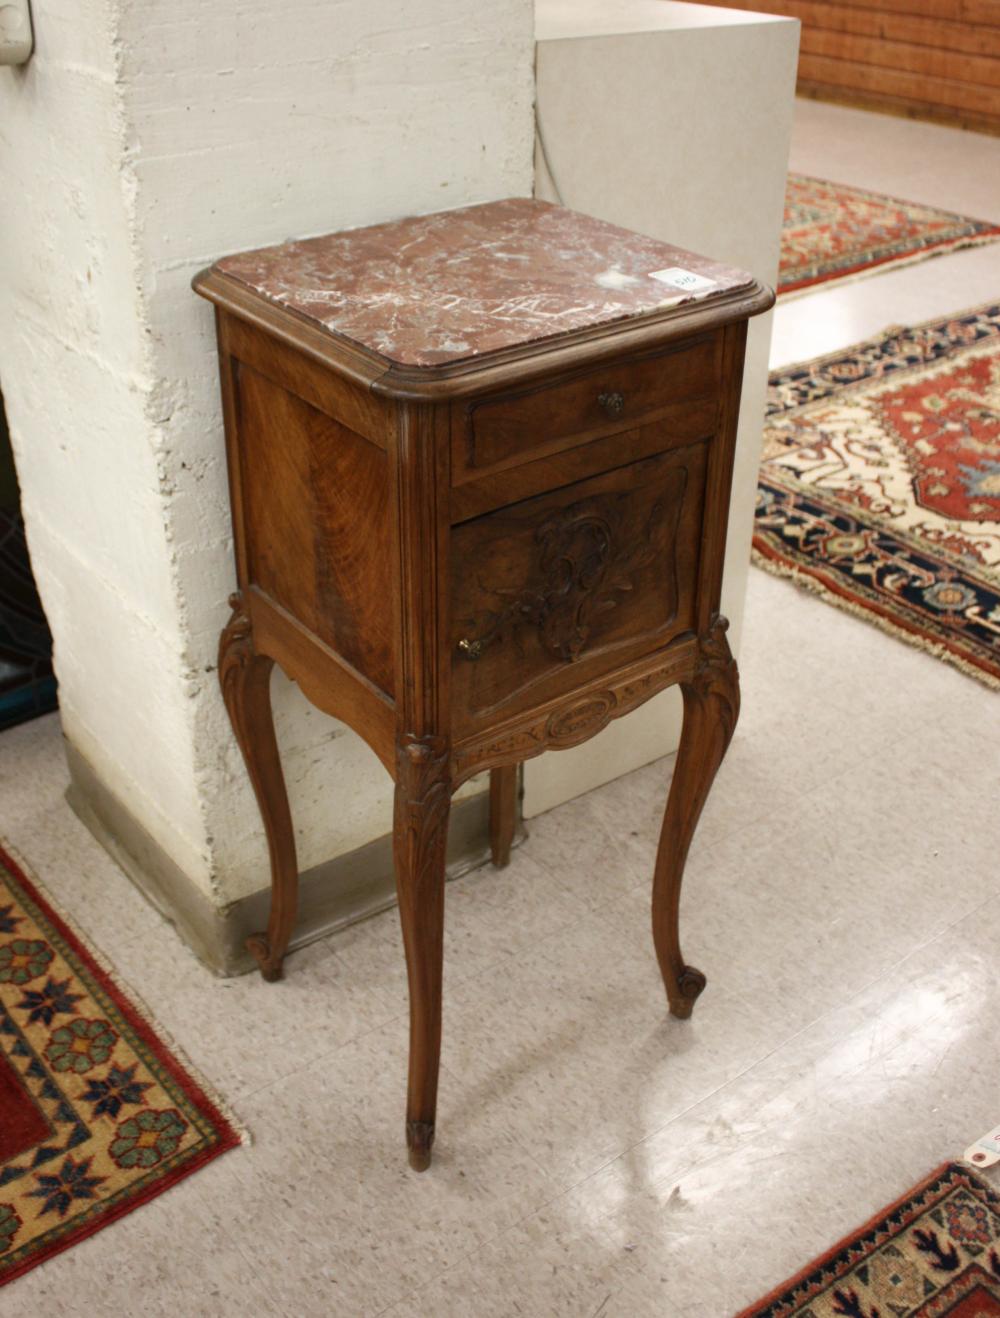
(27, 684)
(934, 1252)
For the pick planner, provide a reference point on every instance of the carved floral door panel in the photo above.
(563, 587)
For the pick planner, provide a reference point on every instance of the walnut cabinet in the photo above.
(479, 466)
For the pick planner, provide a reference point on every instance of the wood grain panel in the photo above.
(358, 409)
(933, 59)
(956, 66)
(965, 11)
(315, 494)
(909, 28)
(907, 88)
(677, 426)
(552, 591)
(502, 431)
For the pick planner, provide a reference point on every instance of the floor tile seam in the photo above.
(582, 915)
(574, 1185)
(262, 1280)
(566, 887)
(320, 1058)
(519, 1221)
(882, 974)
(376, 986)
(712, 1093)
(489, 965)
(200, 1192)
(838, 1006)
(894, 966)
(517, 1142)
(425, 1285)
(941, 933)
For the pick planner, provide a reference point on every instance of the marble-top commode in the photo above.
(480, 467)
(437, 289)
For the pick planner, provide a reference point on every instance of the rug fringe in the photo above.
(135, 999)
(885, 267)
(806, 581)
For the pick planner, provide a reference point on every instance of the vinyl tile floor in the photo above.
(595, 1156)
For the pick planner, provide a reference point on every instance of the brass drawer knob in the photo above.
(613, 403)
(471, 649)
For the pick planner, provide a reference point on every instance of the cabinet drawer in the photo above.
(550, 592)
(497, 432)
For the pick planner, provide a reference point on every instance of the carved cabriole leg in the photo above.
(422, 805)
(711, 708)
(503, 810)
(245, 677)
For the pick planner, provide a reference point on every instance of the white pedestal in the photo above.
(675, 120)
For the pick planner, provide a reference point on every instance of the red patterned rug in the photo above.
(96, 1114)
(933, 1253)
(832, 231)
(880, 484)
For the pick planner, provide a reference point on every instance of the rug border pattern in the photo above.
(220, 1132)
(826, 1268)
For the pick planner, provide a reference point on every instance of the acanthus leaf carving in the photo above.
(588, 555)
(716, 674)
(573, 722)
(423, 800)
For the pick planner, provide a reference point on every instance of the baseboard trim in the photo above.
(333, 895)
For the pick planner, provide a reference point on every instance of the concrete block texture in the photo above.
(142, 141)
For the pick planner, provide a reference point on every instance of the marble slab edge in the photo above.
(475, 374)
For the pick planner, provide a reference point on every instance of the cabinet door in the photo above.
(563, 587)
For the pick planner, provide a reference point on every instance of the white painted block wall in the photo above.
(144, 139)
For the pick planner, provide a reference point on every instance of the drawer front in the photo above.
(499, 432)
(550, 592)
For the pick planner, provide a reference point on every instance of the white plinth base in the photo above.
(675, 120)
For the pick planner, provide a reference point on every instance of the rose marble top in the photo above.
(437, 289)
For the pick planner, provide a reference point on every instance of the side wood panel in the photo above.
(325, 679)
(355, 407)
(316, 504)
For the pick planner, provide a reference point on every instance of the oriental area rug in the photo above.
(832, 231)
(97, 1116)
(880, 484)
(933, 1253)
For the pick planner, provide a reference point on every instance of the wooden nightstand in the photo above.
(479, 465)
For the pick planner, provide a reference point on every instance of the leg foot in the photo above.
(711, 708)
(419, 1138)
(422, 806)
(503, 813)
(690, 983)
(245, 677)
(271, 967)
